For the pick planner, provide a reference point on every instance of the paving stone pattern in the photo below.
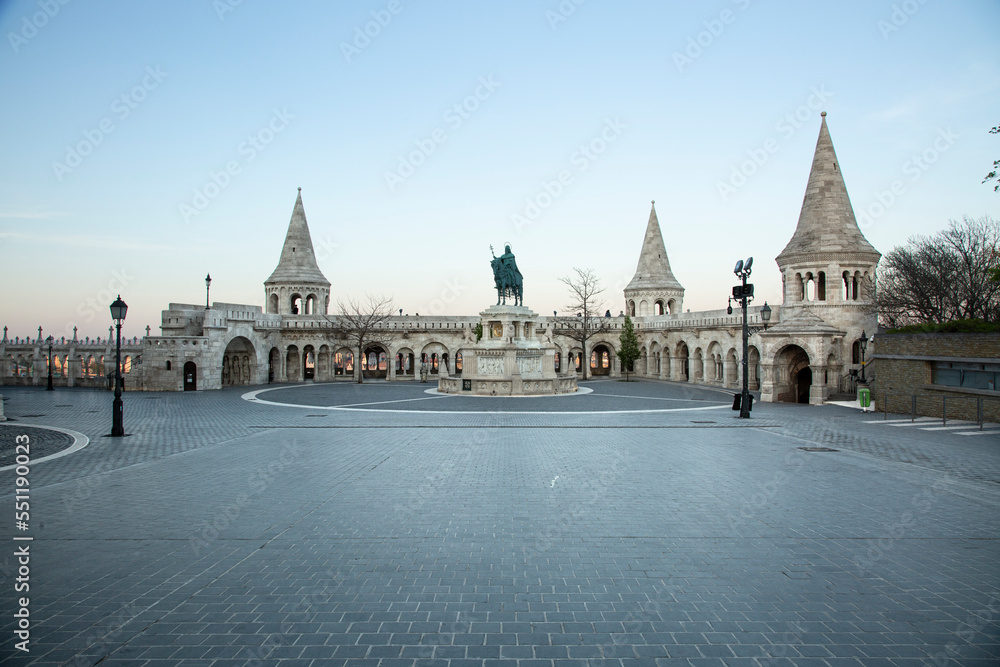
(40, 442)
(224, 532)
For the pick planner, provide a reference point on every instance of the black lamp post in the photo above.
(743, 294)
(864, 345)
(49, 386)
(118, 310)
(208, 284)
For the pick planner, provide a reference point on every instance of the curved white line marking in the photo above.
(252, 396)
(79, 442)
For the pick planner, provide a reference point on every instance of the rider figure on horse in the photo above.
(507, 275)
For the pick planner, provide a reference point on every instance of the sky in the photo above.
(144, 145)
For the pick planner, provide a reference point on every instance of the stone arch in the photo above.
(658, 307)
(631, 307)
(600, 359)
(643, 308)
(832, 370)
(433, 353)
(323, 363)
(653, 367)
(753, 367)
(272, 303)
(239, 362)
(309, 363)
(343, 362)
(683, 362)
(295, 304)
(672, 306)
(791, 385)
(714, 362)
(405, 362)
(273, 365)
(310, 304)
(698, 363)
(375, 362)
(732, 368)
(293, 364)
(190, 376)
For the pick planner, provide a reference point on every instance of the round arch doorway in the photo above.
(190, 376)
(375, 363)
(600, 361)
(239, 363)
(793, 376)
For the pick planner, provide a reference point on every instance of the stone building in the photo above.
(804, 356)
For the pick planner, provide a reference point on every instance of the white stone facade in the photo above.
(805, 355)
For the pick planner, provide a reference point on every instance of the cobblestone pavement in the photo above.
(380, 525)
(43, 441)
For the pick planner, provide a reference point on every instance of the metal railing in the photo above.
(943, 400)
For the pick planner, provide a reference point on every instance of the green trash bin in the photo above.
(865, 397)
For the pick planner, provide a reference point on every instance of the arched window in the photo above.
(127, 365)
(810, 287)
(295, 303)
(658, 307)
(856, 352)
(558, 359)
(168, 365)
(821, 286)
(458, 363)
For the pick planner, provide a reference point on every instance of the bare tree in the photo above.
(942, 278)
(586, 321)
(996, 165)
(363, 323)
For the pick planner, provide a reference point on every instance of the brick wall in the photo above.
(898, 380)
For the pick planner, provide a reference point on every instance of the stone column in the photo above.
(818, 390)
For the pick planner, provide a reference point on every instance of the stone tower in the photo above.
(828, 265)
(653, 289)
(297, 286)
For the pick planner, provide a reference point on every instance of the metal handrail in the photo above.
(944, 406)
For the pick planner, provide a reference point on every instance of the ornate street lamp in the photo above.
(208, 283)
(864, 345)
(49, 341)
(118, 310)
(743, 294)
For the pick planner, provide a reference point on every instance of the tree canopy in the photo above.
(942, 278)
(628, 351)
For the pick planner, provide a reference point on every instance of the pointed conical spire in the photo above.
(653, 270)
(298, 260)
(826, 222)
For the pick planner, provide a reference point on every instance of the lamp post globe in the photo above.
(118, 310)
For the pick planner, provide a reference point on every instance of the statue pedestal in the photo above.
(510, 360)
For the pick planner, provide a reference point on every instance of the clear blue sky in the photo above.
(163, 95)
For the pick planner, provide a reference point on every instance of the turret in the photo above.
(828, 261)
(653, 289)
(297, 286)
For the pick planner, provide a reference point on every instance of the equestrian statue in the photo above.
(507, 277)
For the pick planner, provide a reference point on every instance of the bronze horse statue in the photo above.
(507, 278)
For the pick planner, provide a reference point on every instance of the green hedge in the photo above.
(958, 326)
